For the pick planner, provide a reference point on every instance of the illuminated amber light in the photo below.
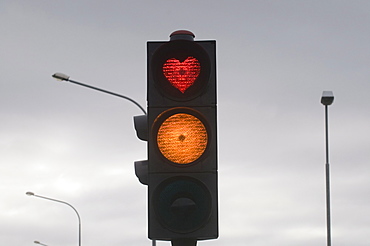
(181, 75)
(182, 138)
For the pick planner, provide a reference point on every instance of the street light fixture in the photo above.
(327, 99)
(63, 77)
(140, 121)
(37, 242)
(29, 193)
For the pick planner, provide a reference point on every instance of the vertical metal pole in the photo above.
(153, 243)
(327, 171)
(184, 242)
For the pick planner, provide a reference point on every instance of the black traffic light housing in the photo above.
(181, 172)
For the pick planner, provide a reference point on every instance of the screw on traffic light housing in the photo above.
(181, 130)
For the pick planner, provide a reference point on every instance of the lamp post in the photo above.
(37, 242)
(29, 193)
(327, 99)
(63, 77)
(139, 120)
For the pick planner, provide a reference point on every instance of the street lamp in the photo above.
(140, 121)
(327, 99)
(29, 193)
(63, 77)
(37, 242)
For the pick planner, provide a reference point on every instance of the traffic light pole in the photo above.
(184, 242)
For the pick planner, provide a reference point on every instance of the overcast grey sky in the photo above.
(274, 59)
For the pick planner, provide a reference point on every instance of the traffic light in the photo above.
(181, 171)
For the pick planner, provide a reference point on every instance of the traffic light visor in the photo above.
(182, 137)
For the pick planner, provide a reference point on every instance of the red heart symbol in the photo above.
(181, 75)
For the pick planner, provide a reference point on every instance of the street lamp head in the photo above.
(327, 98)
(29, 193)
(60, 76)
(37, 242)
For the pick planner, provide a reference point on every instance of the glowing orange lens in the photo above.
(181, 75)
(182, 138)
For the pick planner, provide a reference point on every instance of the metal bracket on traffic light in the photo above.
(141, 127)
(141, 171)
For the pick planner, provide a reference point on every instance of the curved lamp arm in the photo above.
(63, 77)
(29, 193)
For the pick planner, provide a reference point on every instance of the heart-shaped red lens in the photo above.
(181, 75)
